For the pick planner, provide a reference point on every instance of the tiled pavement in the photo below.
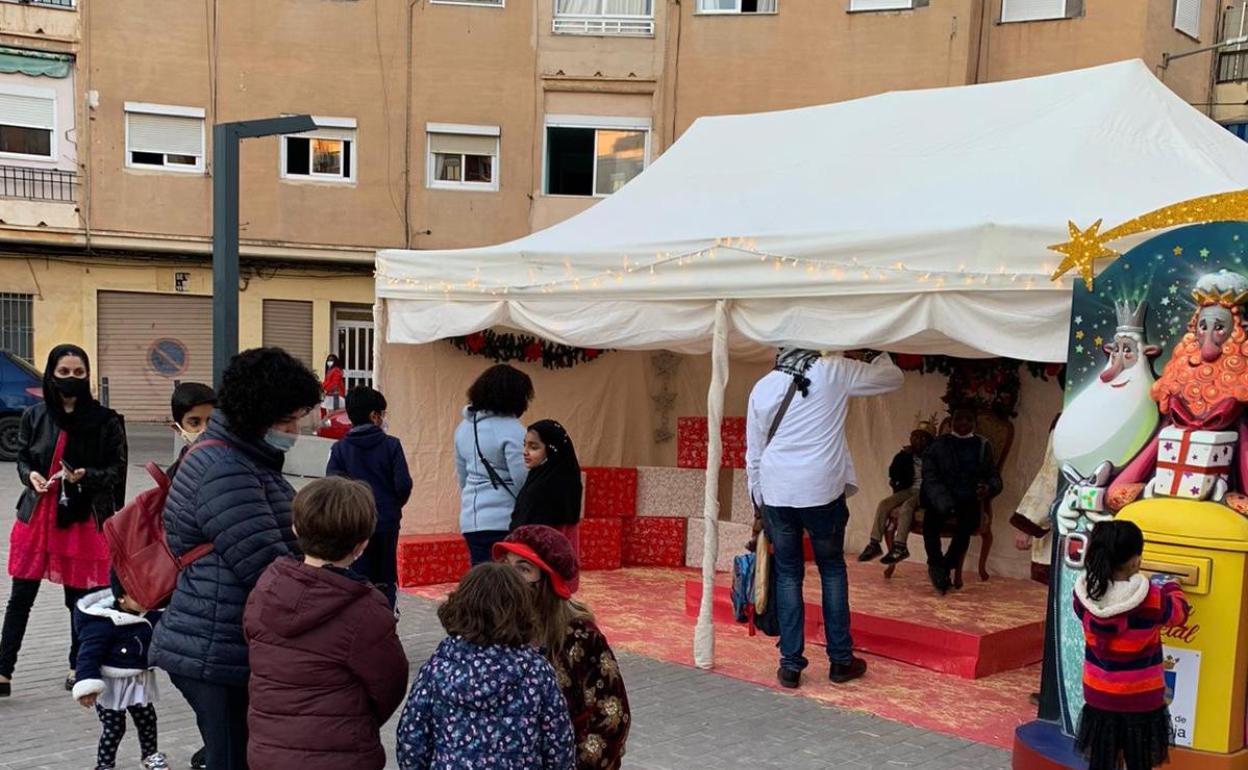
(683, 718)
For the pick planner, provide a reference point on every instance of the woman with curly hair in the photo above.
(584, 663)
(230, 493)
(489, 456)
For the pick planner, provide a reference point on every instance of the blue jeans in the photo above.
(826, 525)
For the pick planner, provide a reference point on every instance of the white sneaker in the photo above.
(156, 761)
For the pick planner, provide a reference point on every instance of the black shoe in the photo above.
(788, 678)
(899, 553)
(6, 689)
(1034, 698)
(939, 578)
(872, 551)
(197, 760)
(70, 681)
(840, 673)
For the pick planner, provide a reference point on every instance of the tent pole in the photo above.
(704, 631)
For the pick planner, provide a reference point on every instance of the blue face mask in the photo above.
(280, 440)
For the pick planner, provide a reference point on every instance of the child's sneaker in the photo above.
(156, 761)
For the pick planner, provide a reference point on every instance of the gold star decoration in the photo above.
(1178, 251)
(1079, 334)
(1082, 251)
(1098, 341)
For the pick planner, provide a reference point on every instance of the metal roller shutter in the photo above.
(288, 325)
(146, 342)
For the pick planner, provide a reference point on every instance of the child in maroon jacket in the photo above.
(327, 668)
(1125, 718)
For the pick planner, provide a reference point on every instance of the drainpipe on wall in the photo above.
(407, 129)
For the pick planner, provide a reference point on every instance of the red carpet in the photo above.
(643, 611)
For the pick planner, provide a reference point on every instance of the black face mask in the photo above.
(72, 387)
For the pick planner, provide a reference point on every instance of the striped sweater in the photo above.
(1122, 665)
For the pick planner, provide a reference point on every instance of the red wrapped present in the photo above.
(654, 542)
(426, 560)
(602, 543)
(610, 492)
(691, 440)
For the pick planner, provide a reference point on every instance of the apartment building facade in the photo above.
(440, 123)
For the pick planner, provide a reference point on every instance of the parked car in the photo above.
(334, 425)
(21, 386)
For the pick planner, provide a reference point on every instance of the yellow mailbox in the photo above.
(1205, 545)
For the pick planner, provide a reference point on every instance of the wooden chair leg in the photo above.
(984, 547)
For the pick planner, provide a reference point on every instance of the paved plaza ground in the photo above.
(684, 719)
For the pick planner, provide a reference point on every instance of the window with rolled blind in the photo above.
(27, 122)
(1033, 10)
(463, 157)
(326, 154)
(1187, 17)
(169, 138)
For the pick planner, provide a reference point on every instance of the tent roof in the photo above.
(913, 221)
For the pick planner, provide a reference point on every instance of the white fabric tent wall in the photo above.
(915, 222)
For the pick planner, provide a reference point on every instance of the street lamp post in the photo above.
(225, 141)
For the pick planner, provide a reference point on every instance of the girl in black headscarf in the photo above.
(72, 462)
(551, 494)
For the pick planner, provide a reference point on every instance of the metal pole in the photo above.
(224, 247)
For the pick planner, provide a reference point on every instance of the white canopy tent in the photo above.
(915, 222)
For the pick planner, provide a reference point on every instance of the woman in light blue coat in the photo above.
(489, 456)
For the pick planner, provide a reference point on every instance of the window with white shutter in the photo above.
(462, 157)
(1187, 17)
(326, 154)
(164, 137)
(1032, 10)
(881, 5)
(27, 122)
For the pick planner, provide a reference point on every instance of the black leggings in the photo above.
(17, 614)
(113, 729)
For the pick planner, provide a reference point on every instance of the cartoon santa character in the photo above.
(1202, 394)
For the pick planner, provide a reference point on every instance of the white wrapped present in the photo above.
(1191, 462)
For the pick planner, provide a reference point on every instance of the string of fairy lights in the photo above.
(650, 270)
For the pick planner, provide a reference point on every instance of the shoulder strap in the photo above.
(784, 407)
(496, 480)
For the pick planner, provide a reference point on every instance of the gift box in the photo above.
(733, 538)
(426, 560)
(602, 543)
(1190, 462)
(742, 507)
(667, 492)
(1091, 498)
(610, 492)
(654, 542)
(691, 441)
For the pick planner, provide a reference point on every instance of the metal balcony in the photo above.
(38, 184)
(1232, 66)
(597, 24)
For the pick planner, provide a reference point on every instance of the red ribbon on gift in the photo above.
(1181, 467)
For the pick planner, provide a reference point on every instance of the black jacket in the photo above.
(100, 450)
(367, 454)
(952, 470)
(235, 497)
(901, 470)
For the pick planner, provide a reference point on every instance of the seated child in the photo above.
(487, 697)
(905, 475)
(113, 673)
(327, 667)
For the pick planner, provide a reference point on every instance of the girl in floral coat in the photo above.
(583, 661)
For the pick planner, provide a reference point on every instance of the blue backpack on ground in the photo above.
(743, 587)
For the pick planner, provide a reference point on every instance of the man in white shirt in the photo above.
(800, 478)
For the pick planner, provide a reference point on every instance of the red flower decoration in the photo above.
(475, 342)
(591, 353)
(909, 362)
(533, 351)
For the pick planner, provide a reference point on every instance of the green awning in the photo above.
(35, 63)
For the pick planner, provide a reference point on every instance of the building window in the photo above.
(27, 122)
(163, 137)
(884, 5)
(737, 6)
(604, 17)
(17, 330)
(462, 157)
(1238, 129)
(1187, 17)
(325, 154)
(1036, 10)
(594, 156)
(492, 3)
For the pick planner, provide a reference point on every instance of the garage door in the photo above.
(148, 341)
(288, 325)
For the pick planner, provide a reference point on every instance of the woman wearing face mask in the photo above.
(551, 494)
(334, 387)
(72, 462)
(230, 493)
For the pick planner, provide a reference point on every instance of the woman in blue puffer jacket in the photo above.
(489, 457)
(230, 492)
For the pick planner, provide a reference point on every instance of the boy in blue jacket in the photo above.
(367, 454)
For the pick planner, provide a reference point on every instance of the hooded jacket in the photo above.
(1122, 664)
(112, 643)
(327, 669)
(485, 505)
(493, 706)
(367, 454)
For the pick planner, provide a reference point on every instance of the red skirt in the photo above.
(76, 556)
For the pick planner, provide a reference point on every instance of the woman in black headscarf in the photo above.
(551, 494)
(72, 461)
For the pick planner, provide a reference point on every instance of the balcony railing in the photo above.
(1232, 66)
(49, 3)
(597, 24)
(38, 184)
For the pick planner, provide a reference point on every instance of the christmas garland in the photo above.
(985, 384)
(505, 347)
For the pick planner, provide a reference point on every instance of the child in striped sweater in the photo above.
(1125, 717)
